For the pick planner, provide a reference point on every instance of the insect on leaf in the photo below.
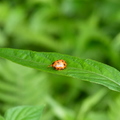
(84, 69)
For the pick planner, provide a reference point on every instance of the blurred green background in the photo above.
(82, 28)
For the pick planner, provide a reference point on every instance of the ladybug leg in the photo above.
(49, 65)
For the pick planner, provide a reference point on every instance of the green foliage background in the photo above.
(82, 28)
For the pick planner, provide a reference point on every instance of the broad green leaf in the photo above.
(24, 113)
(1, 118)
(83, 69)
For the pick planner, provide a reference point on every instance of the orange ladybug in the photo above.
(59, 65)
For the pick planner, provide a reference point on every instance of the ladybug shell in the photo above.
(59, 64)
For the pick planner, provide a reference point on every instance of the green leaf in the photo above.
(1, 118)
(24, 113)
(83, 69)
(30, 81)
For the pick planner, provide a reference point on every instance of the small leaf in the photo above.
(1, 118)
(83, 69)
(24, 113)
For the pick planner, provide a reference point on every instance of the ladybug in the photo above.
(59, 65)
